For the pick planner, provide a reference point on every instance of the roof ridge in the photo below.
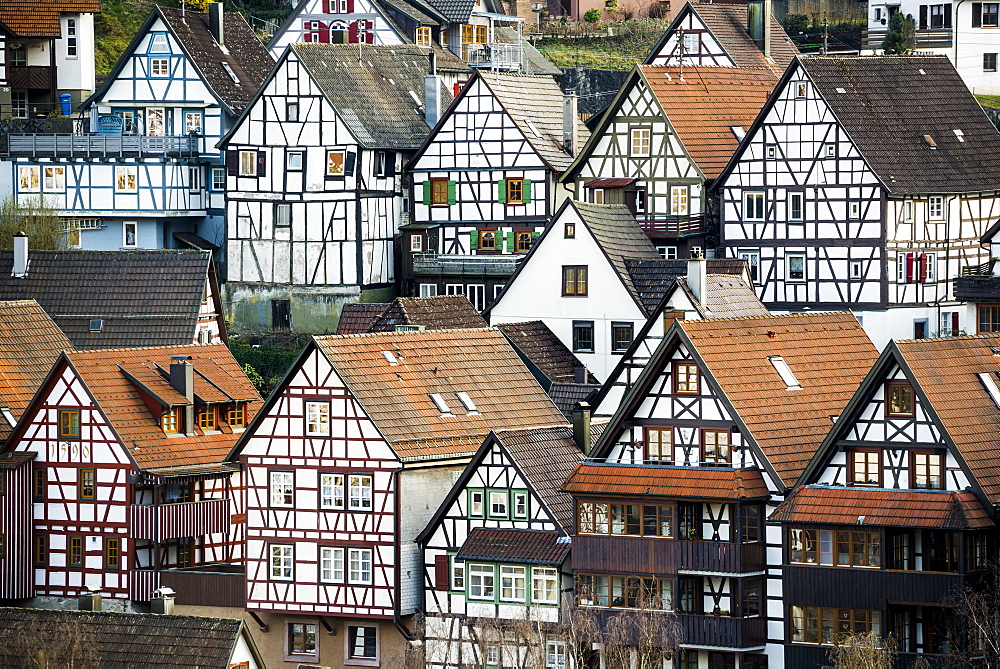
(333, 337)
(804, 314)
(145, 348)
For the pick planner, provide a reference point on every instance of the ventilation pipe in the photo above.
(697, 275)
(759, 24)
(162, 601)
(581, 427)
(91, 599)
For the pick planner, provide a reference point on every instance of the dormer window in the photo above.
(159, 43)
(236, 415)
(206, 417)
(898, 399)
(170, 421)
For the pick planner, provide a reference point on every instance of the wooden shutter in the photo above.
(427, 192)
(261, 164)
(923, 17)
(370, 32)
(441, 572)
(511, 240)
(526, 192)
(954, 323)
(324, 32)
(977, 14)
(352, 32)
(534, 236)
(232, 163)
(390, 164)
(501, 190)
(922, 259)
(474, 240)
(947, 15)
(909, 268)
(451, 192)
(326, 6)
(349, 159)
(350, 6)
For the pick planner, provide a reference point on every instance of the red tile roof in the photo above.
(728, 23)
(42, 19)
(608, 183)
(675, 482)
(517, 546)
(867, 507)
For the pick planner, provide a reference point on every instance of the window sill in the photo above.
(302, 658)
(361, 662)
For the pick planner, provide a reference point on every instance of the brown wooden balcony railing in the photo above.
(186, 519)
(673, 226)
(207, 585)
(638, 555)
(723, 631)
(29, 76)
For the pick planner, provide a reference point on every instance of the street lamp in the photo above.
(537, 8)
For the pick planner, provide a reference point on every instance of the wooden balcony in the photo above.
(441, 264)
(498, 56)
(29, 76)
(723, 631)
(860, 588)
(928, 38)
(638, 555)
(186, 519)
(673, 226)
(100, 146)
(207, 585)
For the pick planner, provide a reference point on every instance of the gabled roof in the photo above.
(117, 639)
(535, 102)
(676, 482)
(356, 318)
(904, 114)
(536, 342)
(546, 457)
(725, 297)
(126, 383)
(515, 546)
(728, 24)
(419, 13)
(30, 342)
(373, 96)
(567, 395)
(441, 312)
(397, 397)
(883, 507)
(704, 103)
(42, 19)
(143, 298)
(653, 278)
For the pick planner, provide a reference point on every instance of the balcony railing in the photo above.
(99, 146)
(674, 226)
(928, 38)
(207, 585)
(186, 519)
(723, 631)
(495, 55)
(638, 555)
(435, 264)
(142, 583)
(29, 76)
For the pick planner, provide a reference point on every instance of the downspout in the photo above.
(954, 30)
(407, 634)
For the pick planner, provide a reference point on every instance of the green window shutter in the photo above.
(427, 192)
(451, 192)
(527, 190)
(474, 240)
(511, 239)
(501, 191)
(534, 236)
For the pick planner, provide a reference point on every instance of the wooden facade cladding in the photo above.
(206, 588)
(638, 555)
(861, 588)
(186, 519)
(16, 575)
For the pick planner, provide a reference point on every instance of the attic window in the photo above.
(958, 133)
(416, 100)
(441, 405)
(533, 129)
(990, 383)
(785, 372)
(930, 141)
(466, 401)
(390, 358)
(738, 132)
(229, 71)
(921, 71)
(96, 324)
(841, 90)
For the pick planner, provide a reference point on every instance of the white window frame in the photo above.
(131, 174)
(30, 175)
(473, 502)
(331, 564)
(788, 267)
(540, 578)
(770, 151)
(134, 225)
(417, 246)
(283, 215)
(513, 583)
(72, 43)
(279, 486)
(908, 210)
(752, 256)
(194, 179)
(331, 491)
(492, 658)
(457, 574)
(317, 418)
(929, 261)
(331, 168)
(555, 654)
(854, 210)
(190, 127)
(520, 499)
(428, 290)
(856, 269)
(830, 150)
(56, 181)
(754, 200)
(935, 207)
(793, 196)
(248, 164)
(359, 497)
(640, 142)
(159, 43)
(281, 561)
(359, 566)
(680, 200)
(293, 161)
(218, 179)
(801, 89)
(159, 68)
(479, 579)
(502, 500)
(292, 112)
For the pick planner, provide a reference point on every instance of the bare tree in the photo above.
(580, 631)
(511, 642)
(50, 642)
(978, 614)
(641, 639)
(864, 651)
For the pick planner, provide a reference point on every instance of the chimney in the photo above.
(162, 601)
(432, 93)
(570, 138)
(759, 24)
(669, 317)
(696, 275)
(581, 427)
(182, 380)
(20, 269)
(91, 599)
(215, 22)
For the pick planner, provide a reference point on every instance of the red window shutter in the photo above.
(326, 6)
(352, 32)
(261, 164)
(370, 35)
(350, 6)
(923, 267)
(909, 268)
(954, 323)
(440, 572)
(232, 163)
(324, 32)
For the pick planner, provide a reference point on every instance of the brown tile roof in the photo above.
(30, 342)
(516, 546)
(946, 371)
(567, 395)
(546, 457)
(442, 312)
(653, 278)
(357, 318)
(675, 482)
(535, 341)
(113, 639)
(42, 19)
(12, 460)
(866, 507)
(829, 353)
(105, 374)
(728, 296)
(396, 397)
(705, 105)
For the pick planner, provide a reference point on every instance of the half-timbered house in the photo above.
(725, 35)
(314, 171)
(835, 221)
(485, 183)
(496, 552)
(144, 165)
(667, 134)
(671, 504)
(347, 462)
(121, 472)
(900, 498)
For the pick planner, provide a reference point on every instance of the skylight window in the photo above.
(533, 129)
(738, 132)
(990, 383)
(785, 372)
(416, 100)
(229, 71)
(441, 405)
(466, 401)
(390, 358)
(958, 133)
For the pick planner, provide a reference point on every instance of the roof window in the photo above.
(466, 401)
(441, 405)
(930, 141)
(229, 71)
(785, 372)
(738, 132)
(533, 129)
(96, 324)
(390, 358)
(989, 381)
(958, 133)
